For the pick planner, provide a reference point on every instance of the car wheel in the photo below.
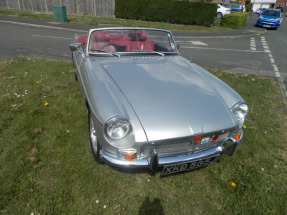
(93, 139)
(219, 15)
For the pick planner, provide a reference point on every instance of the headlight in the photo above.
(261, 17)
(117, 127)
(240, 109)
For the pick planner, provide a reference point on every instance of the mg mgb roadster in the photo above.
(150, 107)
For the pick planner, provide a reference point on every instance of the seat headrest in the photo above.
(137, 36)
(101, 36)
(82, 39)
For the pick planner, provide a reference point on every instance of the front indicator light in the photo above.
(128, 154)
(237, 136)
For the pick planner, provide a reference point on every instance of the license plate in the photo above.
(180, 167)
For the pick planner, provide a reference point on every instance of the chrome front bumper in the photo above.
(155, 161)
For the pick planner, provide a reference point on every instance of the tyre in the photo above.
(93, 139)
(74, 68)
(219, 15)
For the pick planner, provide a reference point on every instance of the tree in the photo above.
(247, 5)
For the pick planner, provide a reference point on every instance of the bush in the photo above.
(234, 20)
(247, 5)
(178, 12)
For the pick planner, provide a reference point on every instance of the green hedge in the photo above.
(178, 12)
(234, 20)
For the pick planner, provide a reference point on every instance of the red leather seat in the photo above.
(139, 41)
(82, 39)
(100, 40)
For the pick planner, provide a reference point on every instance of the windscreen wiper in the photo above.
(150, 51)
(105, 51)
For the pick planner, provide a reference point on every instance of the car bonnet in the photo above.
(170, 97)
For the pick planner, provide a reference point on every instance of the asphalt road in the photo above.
(34, 41)
(250, 50)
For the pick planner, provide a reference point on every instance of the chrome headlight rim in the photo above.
(240, 109)
(117, 127)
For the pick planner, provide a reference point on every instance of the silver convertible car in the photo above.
(150, 107)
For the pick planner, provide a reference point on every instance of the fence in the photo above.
(91, 7)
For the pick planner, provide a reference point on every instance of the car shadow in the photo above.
(267, 29)
(134, 170)
(151, 207)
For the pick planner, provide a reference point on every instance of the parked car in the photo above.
(150, 107)
(234, 7)
(221, 11)
(270, 18)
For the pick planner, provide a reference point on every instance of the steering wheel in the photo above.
(111, 44)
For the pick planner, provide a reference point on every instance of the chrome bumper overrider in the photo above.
(155, 161)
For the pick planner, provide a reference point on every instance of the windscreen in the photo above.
(131, 40)
(271, 13)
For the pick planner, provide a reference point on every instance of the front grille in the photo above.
(268, 23)
(166, 147)
(182, 146)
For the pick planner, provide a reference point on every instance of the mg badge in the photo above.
(205, 140)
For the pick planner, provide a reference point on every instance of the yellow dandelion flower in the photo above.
(244, 126)
(46, 104)
(233, 184)
(68, 131)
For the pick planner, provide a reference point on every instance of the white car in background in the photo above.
(221, 11)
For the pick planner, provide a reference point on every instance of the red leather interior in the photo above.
(100, 40)
(139, 41)
(82, 39)
(135, 40)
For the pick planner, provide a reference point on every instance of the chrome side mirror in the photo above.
(74, 47)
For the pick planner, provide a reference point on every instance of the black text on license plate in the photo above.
(170, 169)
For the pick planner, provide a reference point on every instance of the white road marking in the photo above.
(198, 43)
(65, 38)
(219, 49)
(252, 44)
(276, 70)
(42, 26)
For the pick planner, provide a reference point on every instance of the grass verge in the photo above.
(107, 21)
(46, 166)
